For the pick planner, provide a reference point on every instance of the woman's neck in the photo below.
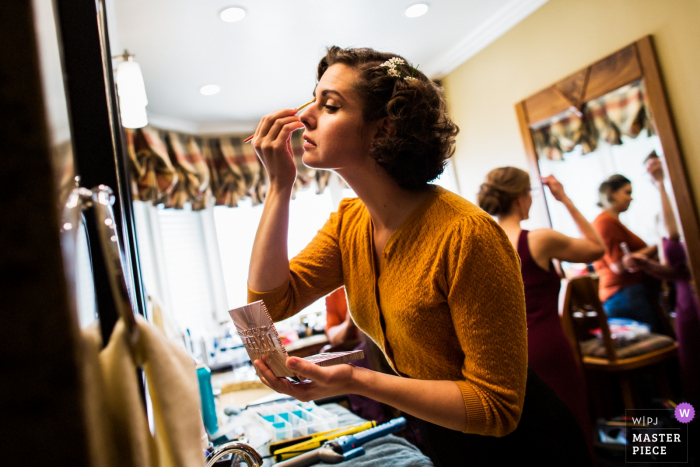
(612, 212)
(388, 204)
(511, 225)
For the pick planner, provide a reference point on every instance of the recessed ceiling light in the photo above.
(209, 89)
(414, 11)
(233, 14)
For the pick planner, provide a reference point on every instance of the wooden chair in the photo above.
(582, 311)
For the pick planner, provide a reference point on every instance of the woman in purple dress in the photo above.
(674, 267)
(506, 195)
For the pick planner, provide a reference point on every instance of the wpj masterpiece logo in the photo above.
(658, 435)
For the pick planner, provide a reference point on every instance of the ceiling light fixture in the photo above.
(233, 14)
(209, 89)
(131, 92)
(414, 11)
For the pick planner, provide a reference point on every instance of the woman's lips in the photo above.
(308, 142)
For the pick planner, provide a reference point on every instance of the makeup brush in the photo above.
(299, 109)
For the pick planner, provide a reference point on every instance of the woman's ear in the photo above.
(386, 127)
(522, 206)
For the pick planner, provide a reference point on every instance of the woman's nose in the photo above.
(308, 118)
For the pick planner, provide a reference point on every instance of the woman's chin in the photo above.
(310, 160)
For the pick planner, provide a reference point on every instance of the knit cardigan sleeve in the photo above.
(487, 303)
(314, 273)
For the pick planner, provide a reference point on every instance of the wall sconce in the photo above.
(131, 91)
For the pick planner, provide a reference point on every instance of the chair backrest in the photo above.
(582, 311)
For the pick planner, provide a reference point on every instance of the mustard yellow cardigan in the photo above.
(449, 304)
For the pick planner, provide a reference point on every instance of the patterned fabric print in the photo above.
(621, 112)
(153, 175)
(236, 170)
(192, 171)
(563, 135)
(172, 169)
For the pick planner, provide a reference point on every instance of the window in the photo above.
(236, 227)
(195, 263)
(187, 270)
(180, 269)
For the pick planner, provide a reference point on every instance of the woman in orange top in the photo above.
(340, 327)
(429, 277)
(622, 288)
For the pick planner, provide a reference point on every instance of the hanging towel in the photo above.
(100, 440)
(172, 387)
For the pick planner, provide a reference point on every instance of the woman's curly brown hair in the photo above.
(424, 139)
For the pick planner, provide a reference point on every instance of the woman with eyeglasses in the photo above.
(506, 195)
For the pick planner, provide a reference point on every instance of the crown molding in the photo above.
(488, 31)
(198, 128)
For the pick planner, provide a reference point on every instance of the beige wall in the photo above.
(555, 41)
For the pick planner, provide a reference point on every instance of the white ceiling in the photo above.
(268, 60)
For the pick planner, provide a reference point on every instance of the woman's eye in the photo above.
(331, 108)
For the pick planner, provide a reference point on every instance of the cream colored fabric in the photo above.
(122, 429)
(102, 449)
(162, 321)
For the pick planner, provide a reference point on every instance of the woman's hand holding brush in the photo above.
(298, 109)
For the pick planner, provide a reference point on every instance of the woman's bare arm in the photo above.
(655, 269)
(669, 215)
(341, 332)
(656, 170)
(548, 243)
(269, 262)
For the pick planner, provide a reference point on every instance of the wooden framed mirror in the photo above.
(635, 64)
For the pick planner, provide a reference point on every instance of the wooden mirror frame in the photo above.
(627, 65)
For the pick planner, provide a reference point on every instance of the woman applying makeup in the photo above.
(429, 277)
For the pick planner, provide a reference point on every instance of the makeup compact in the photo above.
(260, 338)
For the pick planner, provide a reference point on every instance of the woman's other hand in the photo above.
(272, 143)
(655, 169)
(555, 187)
(340, 333)
(634, 262)
(324, 381)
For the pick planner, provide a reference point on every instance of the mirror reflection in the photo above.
(611, 161)
(607, 153)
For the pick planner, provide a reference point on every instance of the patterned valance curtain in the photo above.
(621, 112)
(172, 169)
